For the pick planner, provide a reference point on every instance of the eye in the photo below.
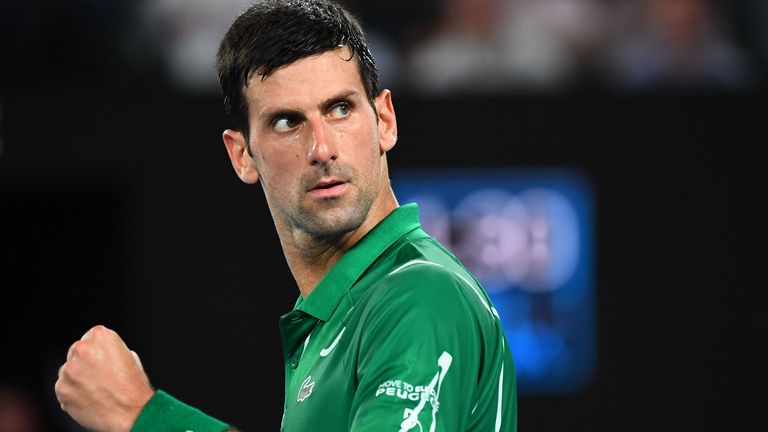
(340, 110)
(284, 124)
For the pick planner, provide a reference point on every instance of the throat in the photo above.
(310, 264)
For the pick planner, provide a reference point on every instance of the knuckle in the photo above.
(61, 390)
(65, 372)
(102, 331)
(78, 349)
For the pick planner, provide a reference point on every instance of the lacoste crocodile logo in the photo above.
(306, 389)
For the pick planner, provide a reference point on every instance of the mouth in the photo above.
(328, 188)
(327, 184)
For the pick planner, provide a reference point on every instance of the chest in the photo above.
(319, 382)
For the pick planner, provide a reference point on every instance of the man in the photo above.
(390, 332)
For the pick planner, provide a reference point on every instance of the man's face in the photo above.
(316, 144)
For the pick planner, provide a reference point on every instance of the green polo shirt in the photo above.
(398, 336)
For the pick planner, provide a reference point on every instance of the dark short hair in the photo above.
(273, 33)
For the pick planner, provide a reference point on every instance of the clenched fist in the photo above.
(102, 385)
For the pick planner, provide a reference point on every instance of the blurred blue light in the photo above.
(527, 235)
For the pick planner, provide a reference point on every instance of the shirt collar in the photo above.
(324, 299)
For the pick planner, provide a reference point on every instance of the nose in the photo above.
(321, 148)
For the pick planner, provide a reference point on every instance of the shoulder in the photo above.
(431, 286)
(424, 263)
(421, 276)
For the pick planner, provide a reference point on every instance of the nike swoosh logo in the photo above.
(325, 351)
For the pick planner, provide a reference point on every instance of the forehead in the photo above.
(305, 81)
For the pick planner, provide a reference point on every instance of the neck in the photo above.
(310, 258)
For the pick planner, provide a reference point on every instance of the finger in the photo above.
(57, 390)
(70, 351)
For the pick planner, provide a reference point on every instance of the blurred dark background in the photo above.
(118, 204)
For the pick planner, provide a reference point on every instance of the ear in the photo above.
(241, 160)
(387, 121)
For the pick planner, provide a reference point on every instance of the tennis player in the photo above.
(389, 331)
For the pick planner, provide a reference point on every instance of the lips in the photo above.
(327, 184)
(328, 188)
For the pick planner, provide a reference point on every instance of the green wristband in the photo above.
(164, 413)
